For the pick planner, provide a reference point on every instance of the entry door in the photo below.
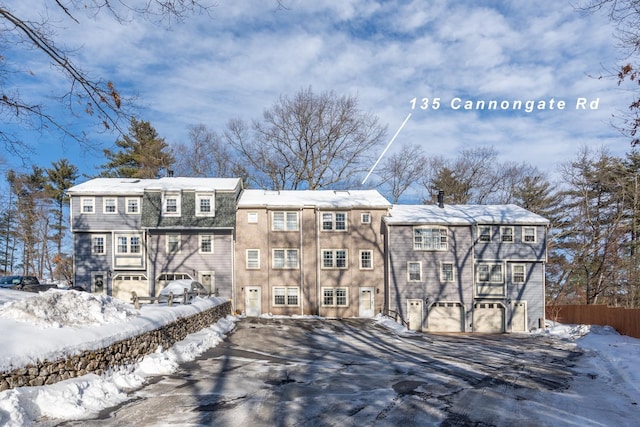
(414, 314)
(519, 316)
(208, 281)
(98, 283)
(367, 308)
(253, 302)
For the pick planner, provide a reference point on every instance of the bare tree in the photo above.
(403, 169)
(206, 154)
(96, 97)
(308, 141)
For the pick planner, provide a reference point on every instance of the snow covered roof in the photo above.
(315, 198)
(137, 186)
(463, 215)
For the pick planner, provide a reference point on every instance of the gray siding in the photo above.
(532, 291)
(519, 250)
(101, 221)
(86, 262)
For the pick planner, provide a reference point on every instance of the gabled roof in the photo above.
(313, 198)
(462, 215)
(124, 186)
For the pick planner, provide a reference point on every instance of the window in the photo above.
(110, 205)
(285, 221)
(285, 295)
(446, 272)
(414, 271)
(128, 244)
(484, 233)
(334, 221)
(173, 276)
(173, 243)
(490, 273)
(365, 218)
(133, 205)
(87, 205)
(334, 258)
(285, 258)
(205, 204)
(529, 234)
(335, 297)
(253, 259)
(517, 273)
(434, 239)
(97, 245)
(171, 204)
(506, 234)
(366, 260)
(252, 217)
(206, 244)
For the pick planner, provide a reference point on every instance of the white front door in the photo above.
(414, 314)
(367, 308)
(519, 316)
(253, 302)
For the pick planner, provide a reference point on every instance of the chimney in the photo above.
(170, 173)
(440, 199)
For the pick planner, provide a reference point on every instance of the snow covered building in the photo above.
(138, 234)
(465, 268)
(310, 252)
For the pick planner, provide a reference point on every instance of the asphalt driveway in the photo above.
(310, 372)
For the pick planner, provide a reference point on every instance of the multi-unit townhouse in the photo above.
(138, 234)
(473, 268)
(310, 253)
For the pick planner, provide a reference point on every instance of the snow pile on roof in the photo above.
(137, 186)
(463, 215)
(59, 308)
(315, 198)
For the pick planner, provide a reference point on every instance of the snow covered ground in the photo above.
(57, 323)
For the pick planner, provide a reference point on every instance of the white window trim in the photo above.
(333, 222)
(93, 205)
(128, 236)
(513, 234)
(212, 200)
(287, 289)
(247, 259)
(286, 257)
(104, 244)
(513, 274)
(453, 272)
(362, 251)
(480, 234)
(535, 234)
(490, 265)
(365, 217)
(335, 297)
(441, 246)
(409, 279)
(172, 195)
(334, 259)
(252, 217)
(139, 204)
(115, 205)
(179, 237)
(200, 238)
(285, 225)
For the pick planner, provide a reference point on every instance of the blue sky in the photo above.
(240, 59)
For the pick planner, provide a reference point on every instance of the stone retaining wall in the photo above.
(117, 354)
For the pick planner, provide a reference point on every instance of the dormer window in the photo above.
(171, 205)
(205, 204)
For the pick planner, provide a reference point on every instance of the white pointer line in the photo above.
(386, 148)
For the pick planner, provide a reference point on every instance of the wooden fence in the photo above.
(625, 320)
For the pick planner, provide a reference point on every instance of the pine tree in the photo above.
(143, 154)
(60, 178)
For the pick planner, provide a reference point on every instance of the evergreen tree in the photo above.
(61, 177)
(143, 154)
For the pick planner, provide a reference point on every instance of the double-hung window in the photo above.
(171, 204)
(285, 221)
(414, 271)
(87, 205)
(484, 233)
(133, 205)
(174, 243)
(110, 205)
(285, 258)
(335, 297)
(506, 234)
(206, 243)
(334, 221)
(98, 245)
(334, 258)
(490, 273)
(430, 239)
(518, 274)
(490, 280)
(128, 244)
(529, 234)
(253, 259)
(446, 272)
(366, 260)
(285, 295)
(205, 204)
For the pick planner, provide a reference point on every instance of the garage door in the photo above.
(488, 317)
(446, 317)
(124, 284)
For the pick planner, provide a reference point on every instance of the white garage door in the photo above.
(446, 317)
(124, 284)
(488, 317)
